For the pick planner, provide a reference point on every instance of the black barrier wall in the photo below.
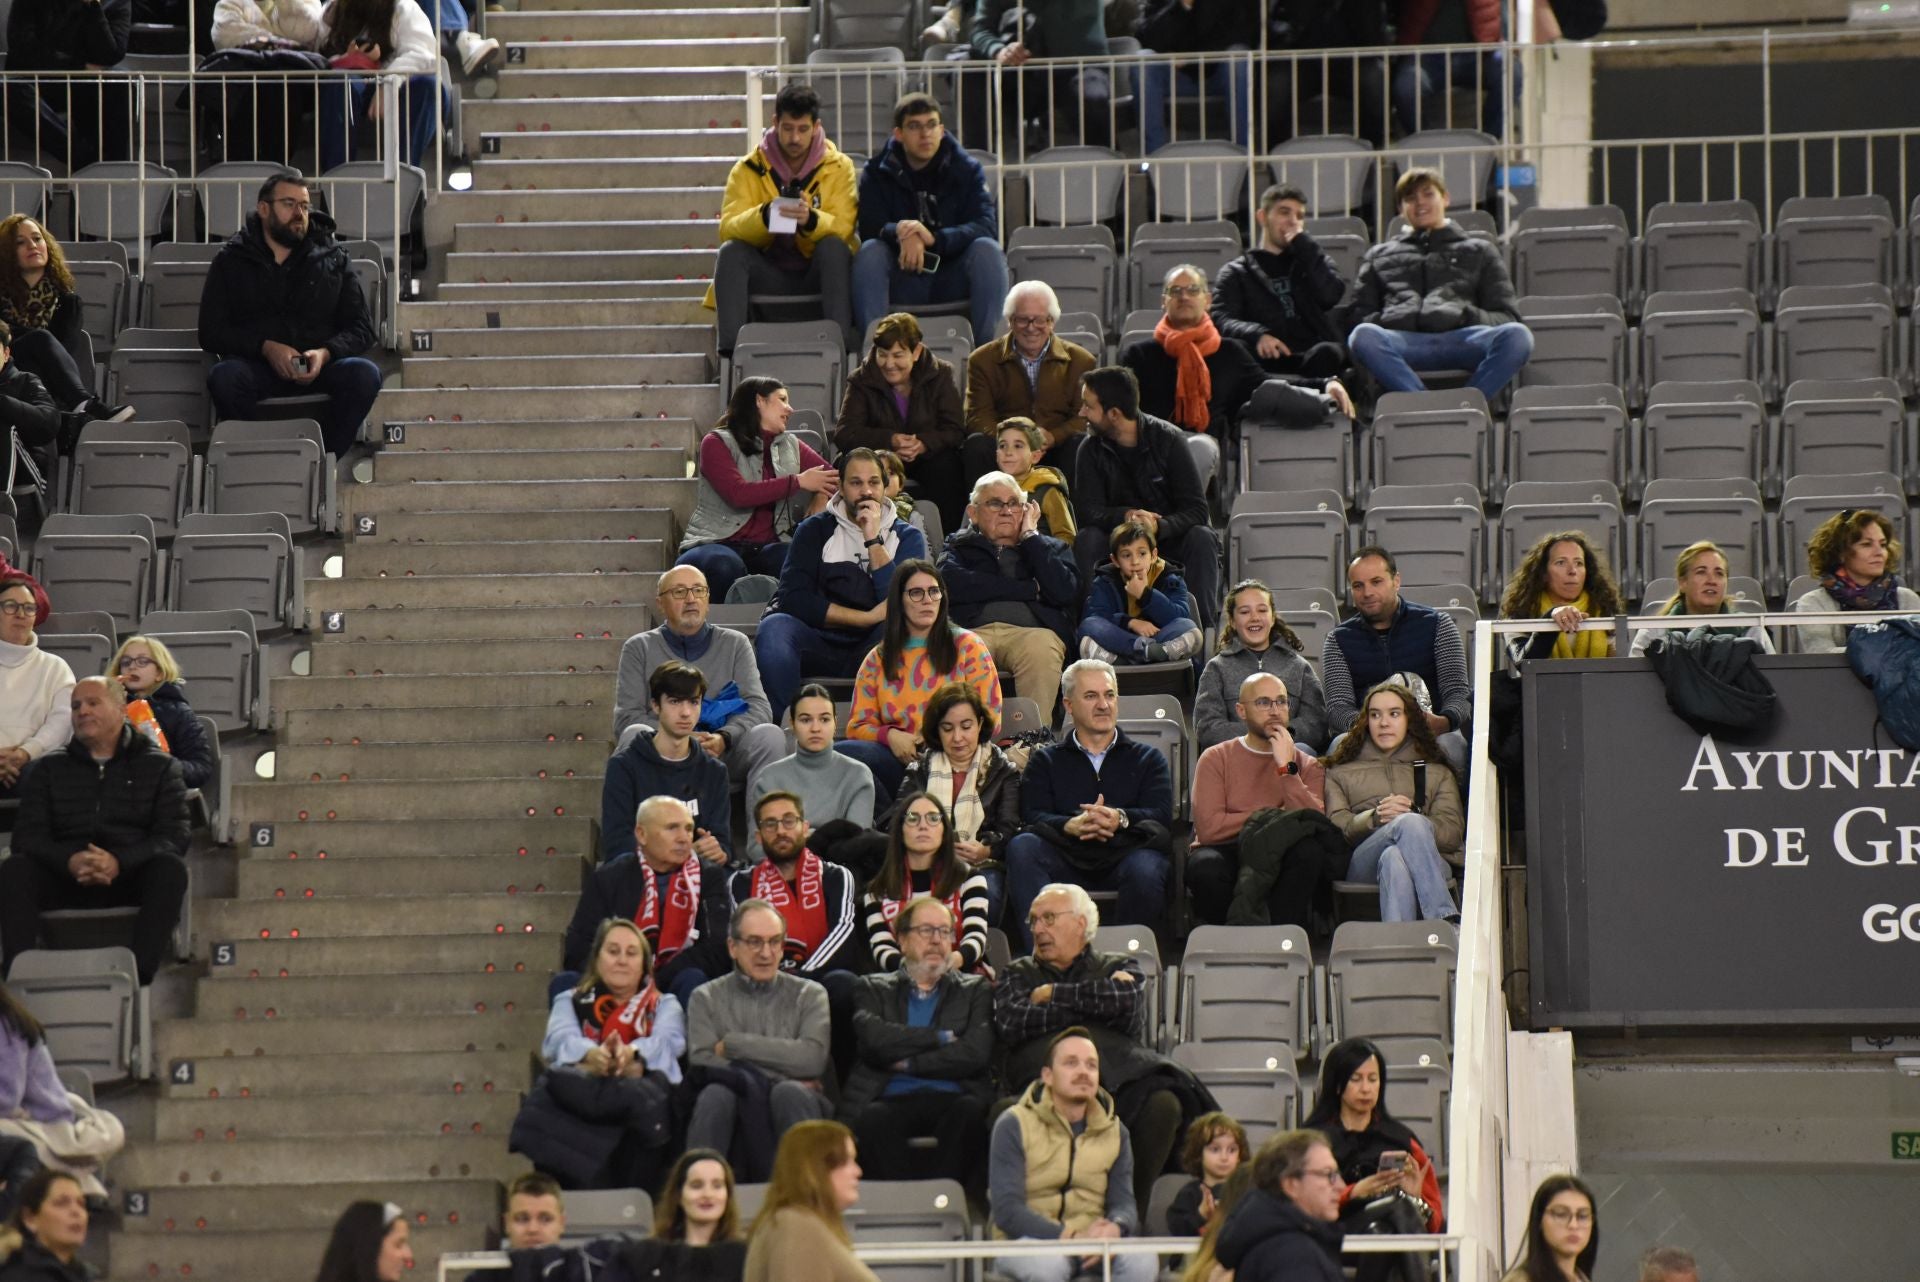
(1677, 879)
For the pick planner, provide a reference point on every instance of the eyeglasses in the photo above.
(1048, 919)
(687, 592)
(923, 819)
(1268, 705)
(136, 661)
(1330, 1174)
(288, 202)
(786, 823)
(755, 944)
(1001, 505)
(1567, 1215)
(18, 609)
(1029, 322)
(932, 933)
(920, 596)
(1185, 291)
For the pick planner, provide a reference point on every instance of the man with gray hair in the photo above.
(1028, 372)
(1669, 1264)
(1013, 586)
(758, 1040)
(1098, 808)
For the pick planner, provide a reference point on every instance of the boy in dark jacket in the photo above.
(668, 763)
(283, 311)
(1278, 298)
(1139, 610)
(927, 225)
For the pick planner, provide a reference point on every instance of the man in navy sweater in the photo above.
(668, 763)
(1098, 808)
(1389, 635)
(832, 599)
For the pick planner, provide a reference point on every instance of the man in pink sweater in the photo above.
(1263, 769)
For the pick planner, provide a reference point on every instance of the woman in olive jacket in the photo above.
(904, 398)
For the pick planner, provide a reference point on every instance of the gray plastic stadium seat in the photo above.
(1834, 331)
(1165, 1189)
(162, 383)
(1702, 336)
(1425, 437)
(864, 24)
(1573, 251)
(280, 466)
(737, 617)
(108, 204)
(808, 356)
(1275, 458)
(858, 88)
(1836, 427)
(1070, 186)
(1255, 1085)
(1703, 430)
(1432, 542)
(1477, 223)
(1421, 1092)
(1139, 943)
(228, 191)
(1191, 229)
(912, 1211)
(170, 297)
(1464, 157)
(89, 1002)
(1695, 245)
(87, 653)
(1019, 714)
(1576, 433)
(1082, 276)
(1346, 253)
(145, 336)
(360, 200)
(1312, 627)
(219, 653)
(98, 563)
(1198, 178)
(24, 188)
(153, 477)
(1243, 984)
(595, 1213)
(1534, 509)
(1457, 601)
(1148, 262)
(81, 621)
(1577, 340)
(1392, 982)
(9, 538)
(1160, 720)
(103, 289)
(1806, 501)
(1834, 240)
(1334, 170)
(183, 251)
(1674, 514)
(1285, 546)
(242, 561)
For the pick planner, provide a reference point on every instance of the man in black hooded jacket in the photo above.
(284, 312)
(1286, 1228)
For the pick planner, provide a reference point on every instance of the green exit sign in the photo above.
(1906, 1146)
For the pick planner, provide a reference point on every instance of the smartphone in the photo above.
(300, 363)
(1420, 786)
(930, 263)
(1393, 1160)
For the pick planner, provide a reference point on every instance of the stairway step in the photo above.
(463, 1045)
(550, 371)
(481, 622)
(534, 689)
(250, 1256)
(555, 144)
(594, 434)
(379, 839)
(305, 1161)
(726, 83)
(358, 994)
(476, 915)
(667, 300)
(268, 1208)
(581, 340)
(728, 46)
(643, 173)
(508, 317)
(646, 24)
(402, 955)
(586, 556)
(495, 591)
(594, 654)
(320, 803)
(605, 265)
(522, 496)
(561, 526)
(694, 204)
(230, 1119)
(700, 402)
(420, 875)
(693, 113)
(531, 237)
(508, 724)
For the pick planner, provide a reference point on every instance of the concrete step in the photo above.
(530, 237)
(396, 658)
(513, 723)
(561, 526)
(243, 1256)
(728, 45)
(230, 1118)
(265, 1207)
(544, 689)
(726, 83)
(621, 109)
(430, 1073)
(379, 918)
(597, 556)
(675, 300)
(420, 875)
(564, 370)
(593, 434)
(317, 803)
(465, 1046)
(402, 955)
(541, 835)
(581, 340)
(603, 265)
(495, 591)
(700, 402)
(555, 144)
(676, 23)
(694, 204)
(522, 496)
(620, 174)
(483, 622)
(508, 317)
(355, 995)
(306, 1161)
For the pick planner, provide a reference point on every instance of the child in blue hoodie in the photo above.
(1139, 610)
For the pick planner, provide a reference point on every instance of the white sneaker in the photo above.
(477, 53)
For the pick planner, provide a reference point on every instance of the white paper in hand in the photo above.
(780, 220)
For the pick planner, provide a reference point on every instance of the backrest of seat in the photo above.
(1071, 185)
(163, 383)
(1464, 158)
(1334, 170)
(109, 203)
(1572, 259)
(1421, 1093)
(1841, 435)
(601, 1212)
(865, 24)
(1572, 350)
(1710, 344)
(1288, 549)
(1735, 522)
(219, 662)
(812, 367)
(1834, 331)
(153, 478)
(1096, 235)
(1248, 984)
(362, 202)
(1273, 457)
(251, 468)
(1521, 525)
(1718, 253)
(110, 572)
(24, 187)
(87, 653)
(85, 999)
(913, 1211)
(1165, 1189)
(1170, 735)
(170, 298)
(81, 621)
(1393, 981)
(1433, 436)
(1255, 1085)
(228, 191)
(1188, 230)
(1139, 944)
(858, 88)
(1809, 500)
(249, 571)
(1703, 430)
(1082, 276)
(1197, 179)
(1149, 262)
(1833, 240)
(1568, 434)
(103, 299)
(1435, 543)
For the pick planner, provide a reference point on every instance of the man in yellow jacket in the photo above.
(787, 224)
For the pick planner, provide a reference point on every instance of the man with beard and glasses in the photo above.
(284, 312)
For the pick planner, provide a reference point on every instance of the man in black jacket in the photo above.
(923, 1039)
(74, 123)
(284, 312)
(27, 408)
(1276, 299)
(1435, 298)
(1014, 587)
(1135, 467)
(1287, 1227)
(101, 825)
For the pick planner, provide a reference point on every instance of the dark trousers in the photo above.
(351, 383)
(1197, 552)
(941, 477)
(1212, 872)
(39, 353)
(957, 1123)
(741, 271)
(156, 887)
(1319, 360)
(75, 125)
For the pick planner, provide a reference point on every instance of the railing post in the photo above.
(1766, 123)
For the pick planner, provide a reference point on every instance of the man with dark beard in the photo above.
(283, 311)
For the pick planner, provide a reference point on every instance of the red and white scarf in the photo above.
(679, 926)
(803, 907)
(600, 1011)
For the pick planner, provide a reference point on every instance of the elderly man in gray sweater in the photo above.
(742, 736)
(760, 1019)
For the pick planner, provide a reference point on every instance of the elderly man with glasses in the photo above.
(924, 1035)
(1028, 372)
(736, 722)
(758, 1042)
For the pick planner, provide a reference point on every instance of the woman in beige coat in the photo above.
(1391, 791)
(801, 1234)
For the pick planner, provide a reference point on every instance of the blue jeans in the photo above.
(722, 563)
(888, 771)
(338, 112)
(790, 651)
(1494, 354)
(1403, 860)
(1128, 647)
(1420, 87)
(350, 383)
(978, 275)
(1139, 877)
(453, 17)
(1228, 91)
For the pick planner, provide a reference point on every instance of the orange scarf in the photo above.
(1193, 382)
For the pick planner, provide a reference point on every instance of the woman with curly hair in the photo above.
(1390, 790)
(1565, 578)
(41, 305)
(1856, 556)
(1249, 629)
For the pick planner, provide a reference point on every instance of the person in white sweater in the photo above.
(35, 688)
(238, 24)
(394, 36)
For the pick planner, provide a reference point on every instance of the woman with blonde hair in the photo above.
(1700, 576)
(1391, 792)
(801, 1233)
(1565, 578)
(1856, 556)
(41, 305)
(149, 671)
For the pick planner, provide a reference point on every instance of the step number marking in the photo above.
(490, 144)
(333, 622)
(396, 433)
(223, 954)
(262, 836)
(134, 1203)
(366, 525)
(516, 54)
(422, 340)
(180, 1072)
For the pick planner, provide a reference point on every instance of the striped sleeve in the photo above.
(973, 921)
(886, 952)
(1454, 699)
